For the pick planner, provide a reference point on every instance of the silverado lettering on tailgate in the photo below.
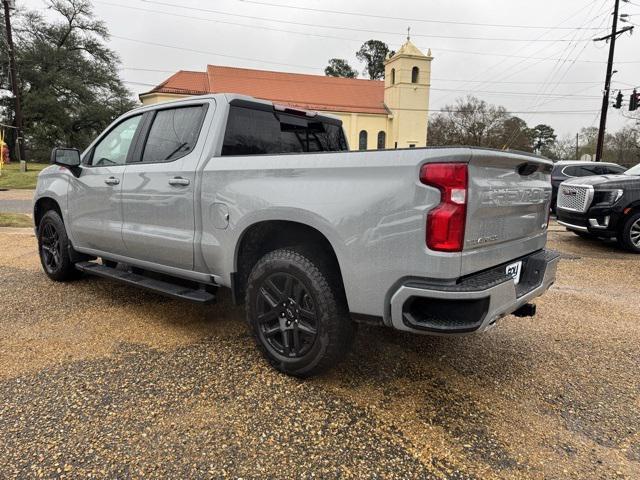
(502, 197)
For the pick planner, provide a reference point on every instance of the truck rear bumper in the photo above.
(473, 304)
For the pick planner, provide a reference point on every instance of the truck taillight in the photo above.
(446, 222)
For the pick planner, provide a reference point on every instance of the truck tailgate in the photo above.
(508, 208)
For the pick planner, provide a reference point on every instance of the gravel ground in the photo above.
(16, 201)
(98, 380)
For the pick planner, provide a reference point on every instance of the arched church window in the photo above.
(363, 140)
(382, 140)
(393, 76)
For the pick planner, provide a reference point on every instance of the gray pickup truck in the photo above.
(217, 191)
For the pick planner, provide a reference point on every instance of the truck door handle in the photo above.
(179, 181)
(112, 181)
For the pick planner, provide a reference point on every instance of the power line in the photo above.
(512, 82)
(566, 60)
(387, 17)
(328, 81)
(217, 54)
(140, 69)
(313, 25)
(333, 37)
(535, 94)
(501, 66)
(559, 64)
(548, 112)
(498, 54)
(226, 22)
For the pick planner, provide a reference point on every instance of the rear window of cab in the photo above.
(264, 132)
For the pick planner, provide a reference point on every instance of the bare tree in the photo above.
(474, 122)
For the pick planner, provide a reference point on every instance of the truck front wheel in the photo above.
(297, 312)
(53, 245)
(629, 237)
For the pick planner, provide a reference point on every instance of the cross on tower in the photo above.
(408, 34)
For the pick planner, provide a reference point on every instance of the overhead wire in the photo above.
(142, 69)
(559, 66)
(330, 81)
(388, 17)
(318, 35)
(565, 58)
(216, 54)
(302, 24)
(501, 64)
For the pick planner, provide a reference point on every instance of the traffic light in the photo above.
(619, 99)
(634, 102)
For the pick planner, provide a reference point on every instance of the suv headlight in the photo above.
(607, 197)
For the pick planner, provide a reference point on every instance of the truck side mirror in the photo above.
(67, 157)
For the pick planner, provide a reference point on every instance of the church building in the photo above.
(376, 114)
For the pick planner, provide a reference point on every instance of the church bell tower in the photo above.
(406, 95)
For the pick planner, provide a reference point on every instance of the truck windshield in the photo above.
(261, 132)
(633, 171)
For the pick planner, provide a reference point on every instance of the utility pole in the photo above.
(14, 82)
(577, 145)
(607, 82)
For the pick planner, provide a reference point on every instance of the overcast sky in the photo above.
(480, 46)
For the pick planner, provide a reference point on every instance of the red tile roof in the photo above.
(184, 82)
(313, 92)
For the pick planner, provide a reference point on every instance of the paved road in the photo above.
(99, 380)
(16, 201)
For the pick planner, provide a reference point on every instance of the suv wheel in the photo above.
(297, 312)
(630, 233)
(53, 246)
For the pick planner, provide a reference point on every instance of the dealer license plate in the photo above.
(515, 270)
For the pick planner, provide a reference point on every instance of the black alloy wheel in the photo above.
(287, 319)
(297, 311)
(55, 248)
(50, 248)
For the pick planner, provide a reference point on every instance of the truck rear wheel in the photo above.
(629, 237)
(297, 312)
(53, 246)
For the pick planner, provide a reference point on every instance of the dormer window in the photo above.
(415, 73)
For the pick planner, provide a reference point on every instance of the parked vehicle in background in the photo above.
(229, 191)
(604, 206)
(568, 169)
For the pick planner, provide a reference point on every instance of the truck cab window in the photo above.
(173, 134)
(114, 147)
(261, 132)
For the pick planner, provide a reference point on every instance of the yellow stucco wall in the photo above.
(153, 98)
(354, 123)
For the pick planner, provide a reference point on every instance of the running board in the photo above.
(158, 286)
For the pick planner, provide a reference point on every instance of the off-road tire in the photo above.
(335, 329)
(629, 228)
(64, 269)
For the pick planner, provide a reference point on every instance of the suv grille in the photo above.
(575, 198)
